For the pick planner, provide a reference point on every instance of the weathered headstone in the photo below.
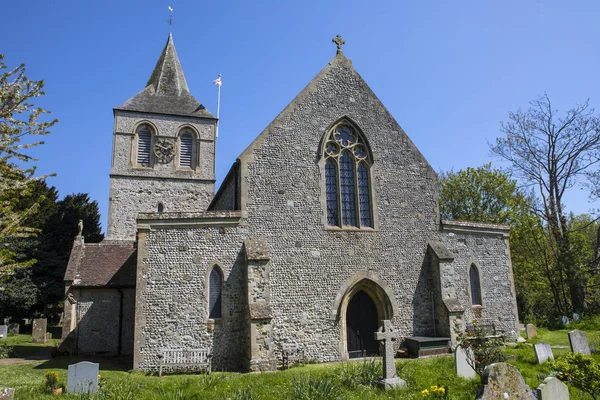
(575, 317)
(530, 331)
(14, 327)
(543, 352)
(3, 331)
(83, 377)
(461, 359)
(38, 332)
(564, 320)
(7, 393)
(387, 335)
(552, 389)
(503, 381)
(578, 342)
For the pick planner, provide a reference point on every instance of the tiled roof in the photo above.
(167, 91)
(104, 264)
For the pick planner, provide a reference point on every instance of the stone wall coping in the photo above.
(169, 220)
(441, 251)
(475, 227)
(257, 250)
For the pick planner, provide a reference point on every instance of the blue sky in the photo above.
(449, 71)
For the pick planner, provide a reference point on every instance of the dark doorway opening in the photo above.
(361, 324)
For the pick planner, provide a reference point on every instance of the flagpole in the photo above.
(218, 106)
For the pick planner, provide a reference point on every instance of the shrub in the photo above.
(486, 349)
(356, 374)
(5, 351)
(52, 381)
(581, 371)
(315, 388)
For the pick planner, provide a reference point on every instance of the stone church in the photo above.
(326, 224)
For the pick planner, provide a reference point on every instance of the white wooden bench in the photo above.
(185, 358)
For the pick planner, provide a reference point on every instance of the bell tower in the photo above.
(163, 157)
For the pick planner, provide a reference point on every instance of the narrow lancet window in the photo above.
(214, 293)
(331, 191)
(186, 150)
(475, 286)
(347, 180)
(144, 146)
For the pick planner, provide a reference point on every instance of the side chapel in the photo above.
(326, 224)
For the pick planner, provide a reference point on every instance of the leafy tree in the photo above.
(19, 128)
(551, 154)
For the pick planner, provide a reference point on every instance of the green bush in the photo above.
(356, 374)
(5, 351)
(581, 371)
(486, 350)
(313, 387)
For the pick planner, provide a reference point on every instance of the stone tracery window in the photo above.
(215, 286)
(347, 180)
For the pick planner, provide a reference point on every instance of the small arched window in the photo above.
(215, 285)
(161, 207)
(475, 285)
(347, 182)
(144, 146)
(186, 150)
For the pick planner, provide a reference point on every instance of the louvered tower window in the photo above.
(144, 146)
(475, 286)
(214, 293)
(186, 150)
(347, 182)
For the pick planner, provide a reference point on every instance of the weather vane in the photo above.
(171, 19)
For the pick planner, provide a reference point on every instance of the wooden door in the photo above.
(361, 324)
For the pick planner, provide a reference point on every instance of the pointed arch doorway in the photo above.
(361, 323)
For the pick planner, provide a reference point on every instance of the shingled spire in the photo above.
(167, 91)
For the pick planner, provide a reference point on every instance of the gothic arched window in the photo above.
(215, 285)
(347, 181)
(186, 150)
(475, 285)
(144, 146)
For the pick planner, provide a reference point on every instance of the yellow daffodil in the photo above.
(442, 390)
(425, 393)
(434, 389)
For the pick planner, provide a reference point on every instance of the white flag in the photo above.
(217, 81)
(170, 9)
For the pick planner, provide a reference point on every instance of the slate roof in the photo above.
(105, 264)
(167, 91)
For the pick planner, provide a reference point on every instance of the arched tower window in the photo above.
(347, 178)
(475, 285)
(186, 150)
(215, 285)
(144, 146)
(161, 207)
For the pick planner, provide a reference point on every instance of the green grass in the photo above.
(328, 381)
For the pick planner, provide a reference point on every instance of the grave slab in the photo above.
(578, 342)
(543, 352)
(7, 393)
(503, 381)
(552, 389)
(83, 377)
(530, 331)
(38, 332)
(461, 357)
(3, 331)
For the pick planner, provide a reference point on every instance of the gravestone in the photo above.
(387, 335)
(552, 389)
(7, 393)
(530, 331)
(38, 332)
(578, 342)
(3, 331)
(543, 352)
(575, 317)
(83, 377)
(503, 381)
(565, 320)
(461, 360)
(14, 327)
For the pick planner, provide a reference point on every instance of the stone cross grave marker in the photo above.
(3, 331)
(552, 389)
(38, 332)
(7, 393)
(83, 377)
(14, 327)
(578, 342)
(387, 335)
(543, 352)
(530, 331)
(503, 381)
(461, 360)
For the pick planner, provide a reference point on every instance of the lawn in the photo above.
(334, 381)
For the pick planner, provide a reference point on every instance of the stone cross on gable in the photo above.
(387, 334)
(339, 42)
